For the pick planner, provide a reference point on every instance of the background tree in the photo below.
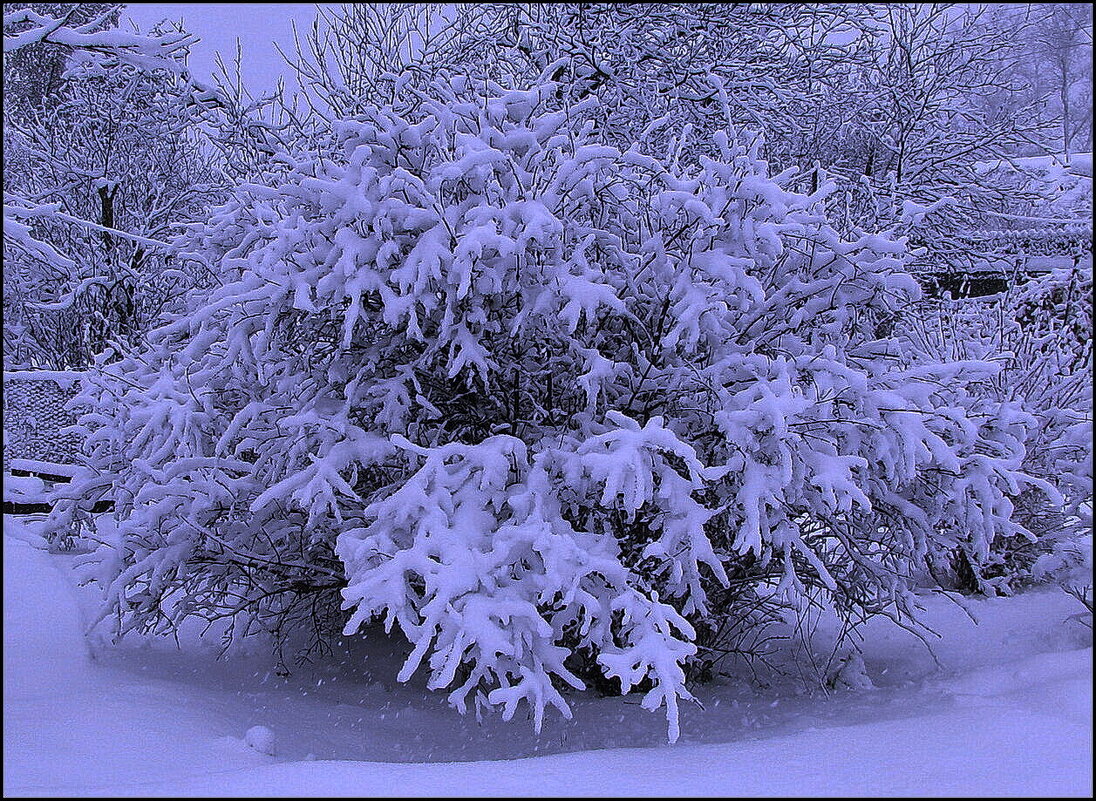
(1056, 69)
(1064, 40)
(33, 73)
(101, 159)
(110, 150)
(120, 150)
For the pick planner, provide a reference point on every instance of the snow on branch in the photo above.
(26, 27)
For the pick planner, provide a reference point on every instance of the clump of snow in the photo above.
(851, 674)
(65, 379)
(261, 739)
(23, 489)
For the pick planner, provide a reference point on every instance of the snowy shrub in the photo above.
(1051, 371)
(557, 413)
(1041, 335)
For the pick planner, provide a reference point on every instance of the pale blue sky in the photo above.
(258, 26)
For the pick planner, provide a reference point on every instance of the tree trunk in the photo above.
(106, 213)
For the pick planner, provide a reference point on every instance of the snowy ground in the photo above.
(1007, 712)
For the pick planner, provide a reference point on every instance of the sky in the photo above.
(257, 25)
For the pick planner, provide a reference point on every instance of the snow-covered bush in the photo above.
(1041, 334)
(1051, 371)
(547, 408)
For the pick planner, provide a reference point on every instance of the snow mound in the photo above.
(261, 739)
(851, 674)
(23, 489)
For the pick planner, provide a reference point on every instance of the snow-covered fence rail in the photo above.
(1048, 228)
(1011, 256)
(1063, 239)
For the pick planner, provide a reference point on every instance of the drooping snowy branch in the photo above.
(25, 27)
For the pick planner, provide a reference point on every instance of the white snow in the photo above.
(23, 489)
(1007, 712)
(1078, 163)
(261, 739)
(47, 468)
(65, 379)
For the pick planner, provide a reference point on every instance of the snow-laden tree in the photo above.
(101, 161)
(554, 412)
(894, 102)
(33, 72)
(926, 121)
(653, 67)
(111, 147)
(86, 29)
(120, 150)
